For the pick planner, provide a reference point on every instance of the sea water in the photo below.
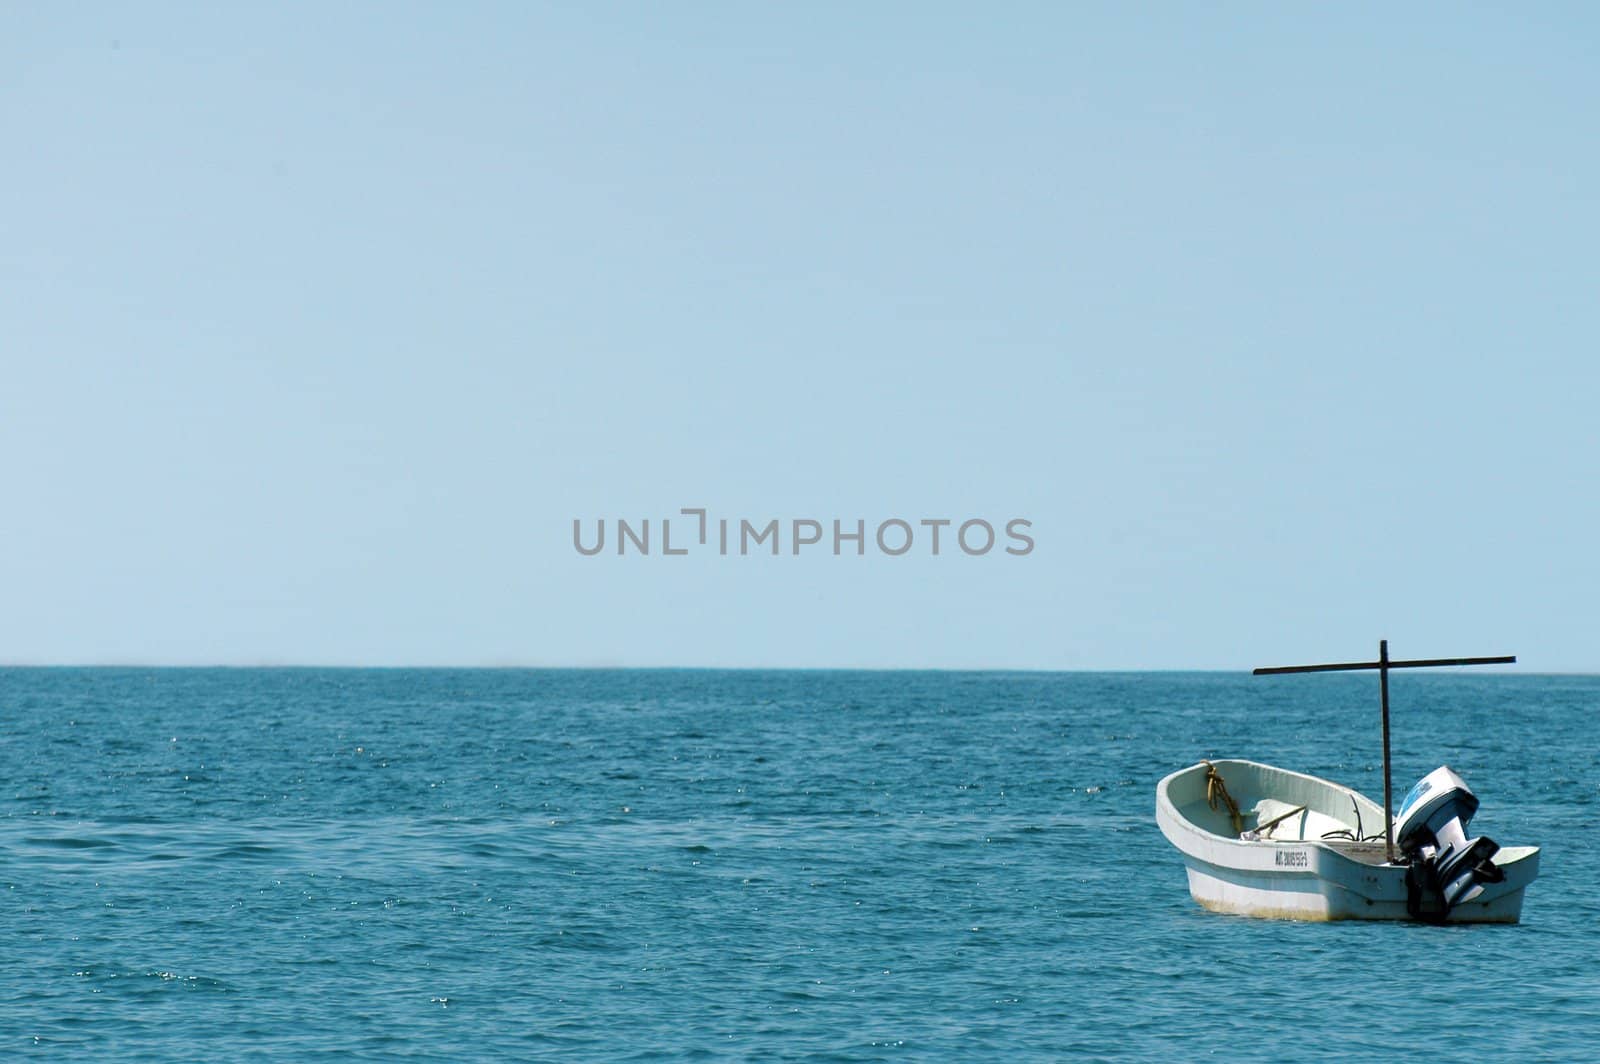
(305, 864)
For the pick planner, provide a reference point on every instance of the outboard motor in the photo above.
(1447, 868)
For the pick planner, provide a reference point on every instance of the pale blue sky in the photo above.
(319, 327)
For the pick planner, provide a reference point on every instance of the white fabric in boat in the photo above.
(1305, 824)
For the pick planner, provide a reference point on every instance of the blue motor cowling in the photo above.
(1446, 867)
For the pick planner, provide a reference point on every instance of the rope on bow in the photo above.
(1217, 790)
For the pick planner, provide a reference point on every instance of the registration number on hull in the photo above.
(1292, 859)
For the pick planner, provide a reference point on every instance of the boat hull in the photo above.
(1308, 878)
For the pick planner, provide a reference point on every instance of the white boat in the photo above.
(1302, 848)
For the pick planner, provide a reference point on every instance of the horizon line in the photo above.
(524, 667)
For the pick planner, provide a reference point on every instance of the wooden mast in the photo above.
(1383, 665)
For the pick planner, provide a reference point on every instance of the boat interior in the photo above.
(1277, 805)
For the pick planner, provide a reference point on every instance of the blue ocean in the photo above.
(304, 864)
